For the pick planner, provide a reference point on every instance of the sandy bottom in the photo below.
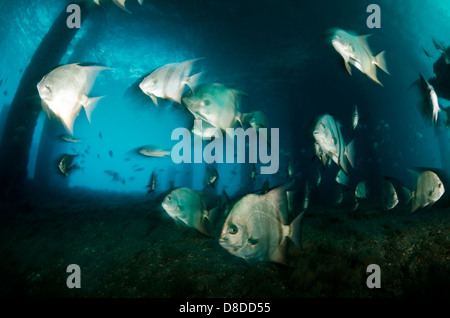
(129, 247)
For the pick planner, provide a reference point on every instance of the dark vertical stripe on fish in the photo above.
(166, 80)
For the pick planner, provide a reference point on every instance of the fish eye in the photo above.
(206, 102)
(154, 81)
(232, 229)
(169, 198)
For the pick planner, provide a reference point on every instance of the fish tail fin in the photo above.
(141, 2)
(350, 153)
(193, 80)
(296, 230)
(90, 104)
(97, 2)
(380, 61)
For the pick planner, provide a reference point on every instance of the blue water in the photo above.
(273, 51)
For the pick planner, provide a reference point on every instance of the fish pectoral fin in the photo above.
(193, 80)
(154, 99)
(348, 67)
(89, 105)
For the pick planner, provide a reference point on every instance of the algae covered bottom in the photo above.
(126, 246)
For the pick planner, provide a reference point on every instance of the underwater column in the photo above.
(25, 107)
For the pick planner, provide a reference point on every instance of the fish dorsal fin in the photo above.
(236, 95)
(363, 40)
(92, 72)
(192, 81)
(278, 196)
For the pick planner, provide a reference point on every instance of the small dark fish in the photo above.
(110, 172)
(211, 176)
(151, 186)
(65, 165)
(439, 46)
(111, 153)
(138, 169)
(426, 52)
(68, 138)
(100, 135)
(21, 70)
(115, 176)
(5, 93)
